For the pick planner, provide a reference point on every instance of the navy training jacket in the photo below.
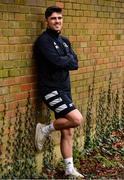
(54, 58)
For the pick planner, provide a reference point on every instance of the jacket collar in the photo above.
(52, 33)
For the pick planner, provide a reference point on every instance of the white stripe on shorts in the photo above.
(55, 101)
(61, 108)
(52, 94)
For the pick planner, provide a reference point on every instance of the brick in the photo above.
(3, 56)
(15, 8)
(8, 16)
(3, 24)
(78, 13)
(1, 65)
(68, 31)
(26, 87)
(76, 6)
(87, 13)
(31, 32)
(14, 24)
(1, 108)
(4, 73)
(18, 48)
(1, 115)
(60, 4)
(19, 2)
(1, 99)
(100, 49)
(19, 40)
(3, 8)
(14, 88)
(11, 48)
(10, 114)
(72, 38)
(75, 19)
(1, 17)
(9, 64)
(7, 1)
(93, 14)
(33, 17)
(50, 3)
(4, 48)
(4, 90)
(8, 32)
(19, 17)
(68, 5)
(27, 71)
(15, 56)
(20, 32)
(9, 81)
(23, 63)
(9, 98)
(35, 3)
(14, 72)
(12, 106)
(36, 10)
(68, 19)
(31, 2)
(20, 96)
(65, 12)
(3, 40)
(83, 44)
(1, 33)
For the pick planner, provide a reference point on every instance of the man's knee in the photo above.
(75, 117)
(78, 121)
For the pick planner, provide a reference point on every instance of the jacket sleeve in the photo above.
(69, 50)
(46, 47)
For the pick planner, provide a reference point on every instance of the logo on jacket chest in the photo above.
(65, 45)
(57, 47)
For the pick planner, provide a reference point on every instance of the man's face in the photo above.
(55, 22)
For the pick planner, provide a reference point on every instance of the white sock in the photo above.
(48, 129)
(69, 166)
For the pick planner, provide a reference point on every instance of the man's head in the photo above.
(53, 15)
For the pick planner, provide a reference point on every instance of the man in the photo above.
(55, 59)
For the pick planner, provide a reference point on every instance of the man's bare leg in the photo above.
(71, 120)
(66, 142)
(66, 145)
(65, 125)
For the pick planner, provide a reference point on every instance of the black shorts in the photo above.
(59, 101)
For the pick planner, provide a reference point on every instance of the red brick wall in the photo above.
(95, 28)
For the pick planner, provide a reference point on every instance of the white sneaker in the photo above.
(74, 173)
(40, 137)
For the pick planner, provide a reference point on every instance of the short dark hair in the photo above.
(51, 10)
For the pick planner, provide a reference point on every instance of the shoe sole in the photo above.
(76, 175)
(38, 128)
